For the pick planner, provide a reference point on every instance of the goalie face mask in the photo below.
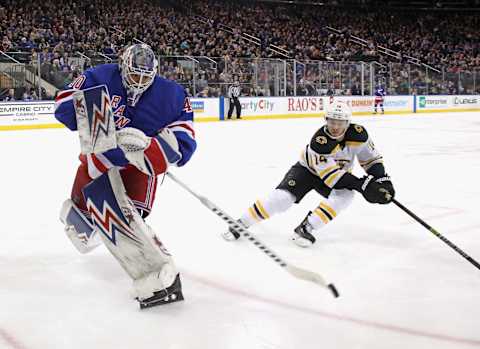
(138, 67)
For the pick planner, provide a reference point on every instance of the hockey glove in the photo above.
(169, 145)
(133, 142)
(150, 155)
(386, 183)
(374, 192)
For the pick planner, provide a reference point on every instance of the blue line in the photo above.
(221, 108)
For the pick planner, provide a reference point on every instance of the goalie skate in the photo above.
(169, 295)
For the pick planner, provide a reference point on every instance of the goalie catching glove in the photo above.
(151, 155)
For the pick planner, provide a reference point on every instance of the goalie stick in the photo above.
(296, 272)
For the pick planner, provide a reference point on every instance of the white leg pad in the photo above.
(126, 235)
(79, 229)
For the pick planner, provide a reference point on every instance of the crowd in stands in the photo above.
(442, 40)
(66, 37)
(27, 95)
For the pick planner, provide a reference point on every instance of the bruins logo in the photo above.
(321, 140)
(358, 128)
(342, 163)
(322, 158)
(292, 182)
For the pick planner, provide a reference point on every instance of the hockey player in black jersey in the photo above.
(325, 166)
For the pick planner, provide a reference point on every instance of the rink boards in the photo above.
(39, 114)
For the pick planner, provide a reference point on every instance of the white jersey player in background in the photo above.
(325, 165)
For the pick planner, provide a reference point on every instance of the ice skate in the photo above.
(303, 234)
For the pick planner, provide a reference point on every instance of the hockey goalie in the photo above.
(132, 125)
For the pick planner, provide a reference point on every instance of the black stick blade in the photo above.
(334, 290)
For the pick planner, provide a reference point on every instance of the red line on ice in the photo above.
(10, 340)
(324, 314)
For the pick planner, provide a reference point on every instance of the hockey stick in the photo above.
(437, 234)
(299, 273)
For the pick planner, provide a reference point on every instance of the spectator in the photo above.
(60, 29)
(29, 95)
(10, 96)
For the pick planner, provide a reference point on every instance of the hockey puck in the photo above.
(334, 290)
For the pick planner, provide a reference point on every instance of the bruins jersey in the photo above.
(330, 159)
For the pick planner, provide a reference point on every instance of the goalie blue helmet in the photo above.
(138, 66)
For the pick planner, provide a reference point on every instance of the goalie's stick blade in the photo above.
(307, 275)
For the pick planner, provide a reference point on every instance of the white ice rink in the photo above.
(401, 287)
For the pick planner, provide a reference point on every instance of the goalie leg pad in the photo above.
(131, 241)
(79, 229)
(141, 189)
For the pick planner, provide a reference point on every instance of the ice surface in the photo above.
(401, 287)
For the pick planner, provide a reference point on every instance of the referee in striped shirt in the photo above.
(233, 94)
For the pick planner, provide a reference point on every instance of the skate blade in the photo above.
(170, 295)
(161, 298)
